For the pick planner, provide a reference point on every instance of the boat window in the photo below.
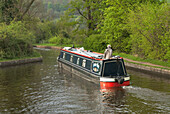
(61, 54)
(84, 63)
(80, 61)
(64, 55)
(67, 57)
(75, 59)
(71, 59)
(88, 64)
(113, 69)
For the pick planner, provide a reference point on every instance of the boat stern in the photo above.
(106, 82)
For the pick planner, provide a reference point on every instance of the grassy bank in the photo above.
(157, 62)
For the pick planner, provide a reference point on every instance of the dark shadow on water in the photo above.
(78, 80)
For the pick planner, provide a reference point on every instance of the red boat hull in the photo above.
(104, 85)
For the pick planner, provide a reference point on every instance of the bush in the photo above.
(15, 41)
(15, 30)
(14, 48)
(45, 31)
(48, 29)
(59, 40)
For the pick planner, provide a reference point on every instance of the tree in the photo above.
(89, 13)
(113, 26)
(31, 9)
(27, 8)
(150, 31)
(18, 9)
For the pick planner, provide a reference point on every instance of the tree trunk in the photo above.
(27, 9)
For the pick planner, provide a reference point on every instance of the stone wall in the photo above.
(147, 68)
(23, 61)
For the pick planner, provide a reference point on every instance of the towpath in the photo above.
(146, 63)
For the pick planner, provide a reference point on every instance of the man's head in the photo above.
(108, 46)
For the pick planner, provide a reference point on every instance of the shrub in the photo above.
(59, 40)
(15, 41)
(14, 48)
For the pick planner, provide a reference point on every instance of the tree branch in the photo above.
(81, 13)
(28, 7)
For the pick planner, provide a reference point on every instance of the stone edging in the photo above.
(17, 62)
(147, 68)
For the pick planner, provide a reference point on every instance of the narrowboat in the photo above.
(93, 67)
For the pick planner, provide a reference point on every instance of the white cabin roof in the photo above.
(81, 51)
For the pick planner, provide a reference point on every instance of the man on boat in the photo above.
(108, 52)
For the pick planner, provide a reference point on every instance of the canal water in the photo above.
(43, 88)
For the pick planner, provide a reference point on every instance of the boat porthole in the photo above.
(96, 67)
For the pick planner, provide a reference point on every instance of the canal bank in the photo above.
(21, 61)
(148, 68)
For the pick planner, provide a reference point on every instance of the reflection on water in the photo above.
(113, 97)
(113, 100)
(43, 88)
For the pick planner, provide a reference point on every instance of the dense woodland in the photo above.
(137, 27)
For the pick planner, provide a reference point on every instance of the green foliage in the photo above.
(15, 41)
(95, 42)
(114, 25)
(15, 30)
(59, 32)
(44, 31)
(87, 14)
(8, 10)
(149, 26)
(56, 8)
(12, 48)
(58, 40)
(140, 27)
